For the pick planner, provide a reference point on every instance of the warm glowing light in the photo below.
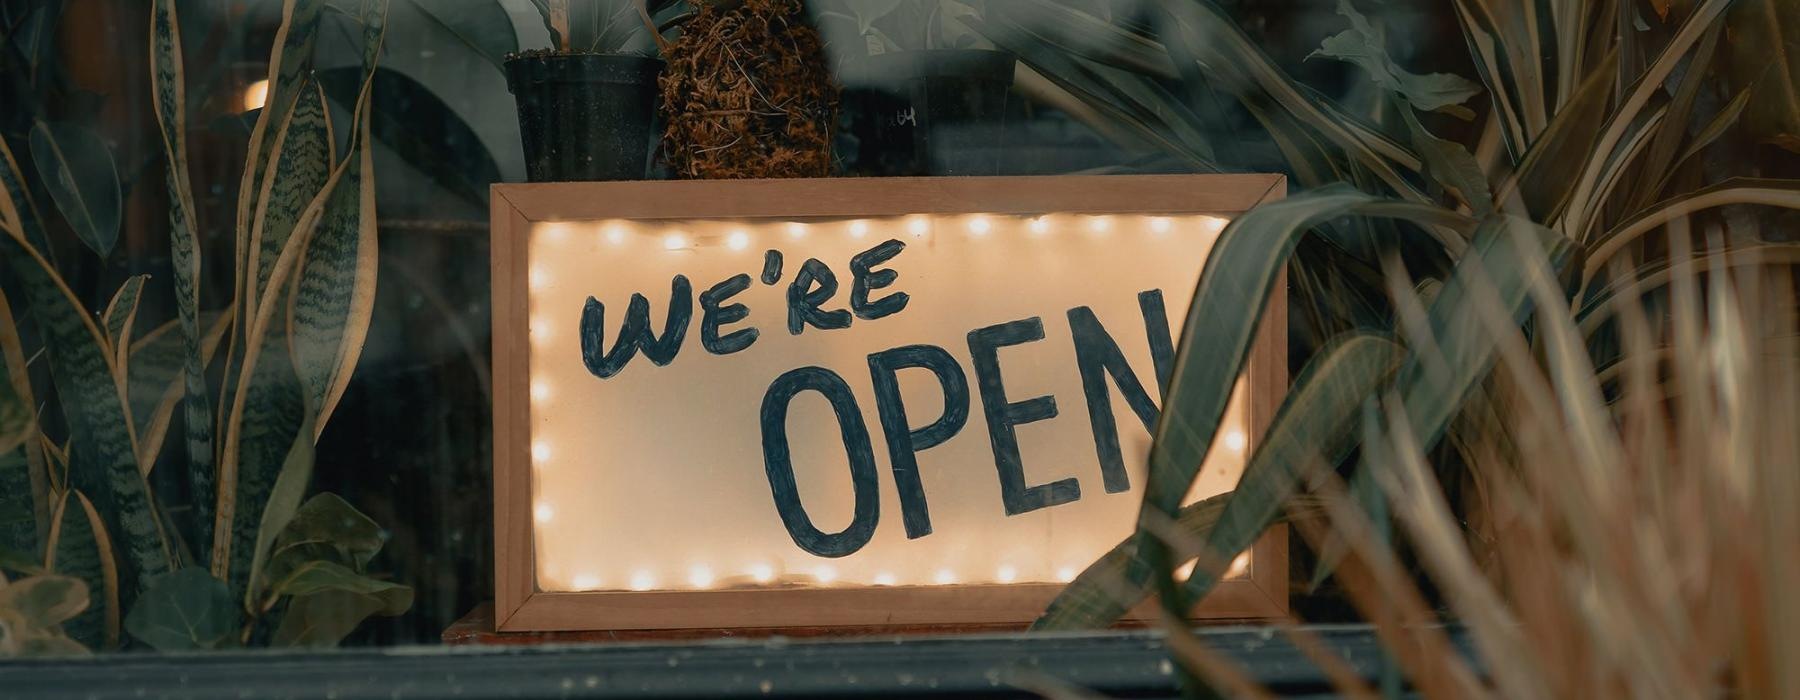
(738, 240)
(540, 330)
(1236, 441)
(556, 233)
(918, 226)
(1239, 566)
(674, 241)
(859, 228)
(1006, 574)
(1065, 574)
(762, 573)
(1213, 224)
(586, 582)
(615, 234)
(540, 391)
(544, 512)
(1040, 226)
(255, 95)
(540, 452)
(796, 230)
(1160, 224)
(1100, 224)
(642, 581)
(825, 574)
(944, 577)
(700, 577)
(980, 225)
(1185, 570)
(539, 279)
(884, 579)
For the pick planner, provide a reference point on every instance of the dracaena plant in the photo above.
(251, 559)
(1599, 125)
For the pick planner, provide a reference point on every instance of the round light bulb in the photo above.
(1236, 441)
(944, 577)
(738, 240)
(980, 225)
(674, 241)
(700, 577)
(540, 452)
(762, 573)
(1006, 574)
(544, 512)
(859, 228)
(642, 581)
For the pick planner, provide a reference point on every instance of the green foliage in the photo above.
(305, 281)
(1602, 147)
(185, 610)
(888, 26)
(32, 612)
(77, 168)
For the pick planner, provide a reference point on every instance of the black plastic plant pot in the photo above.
(932, 112)
(585, 116)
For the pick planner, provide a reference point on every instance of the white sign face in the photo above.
(909, 401)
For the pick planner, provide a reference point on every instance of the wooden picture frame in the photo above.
(522, 606)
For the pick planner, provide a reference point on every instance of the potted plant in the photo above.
(748, 94)
(587, 104)
(928, 91)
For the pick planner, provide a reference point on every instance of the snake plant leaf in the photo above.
(77, 168)
(1439, 374)
(119, 314)
(17, 209)
(24, 485)
(421, 129)
(168, 81)
(1765, 49)
(290, 486)
(156, 379)
(481, 25)
(1365, 46)
(1313, 423)
(334, 289)
(103, 453)
(185, 610)
(80, 546)
(301, 164)
(17, 561)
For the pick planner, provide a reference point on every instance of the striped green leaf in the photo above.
(1314, 424)
(77, 168)
(301, 165)
(119, 314)
(156, 379)
(169, 84)
(103, 451)
(24, 484)
(80, 546)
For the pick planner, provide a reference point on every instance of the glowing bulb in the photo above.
(539, 279)
(738, 240)
(796, 230)
(1040, 226)
(1160, 224)
(884, 579)
(944, 577)
(1100, 224)
(980, 225)
(544, 512)
(586, 582)
(859, 228)
(918, 226)
(556, 233)
(1213, 225)
(540, 391)
(674, 241)
(1239, 566)
(700, 577)
(1185, 570)
(540, 452)
(1065, 574)
(255, 95)
(1236, 441)
(763, 573)
(642, 581)
(826, 574)
(540, 330)
(1006, 574)
(615, 234)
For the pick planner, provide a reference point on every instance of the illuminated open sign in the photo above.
(844, 402)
